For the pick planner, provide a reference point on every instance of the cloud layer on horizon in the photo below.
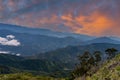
(92, 17)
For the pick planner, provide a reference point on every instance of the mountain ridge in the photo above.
(103, 40)
(41, 31)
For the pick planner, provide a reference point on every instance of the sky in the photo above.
(91, 17)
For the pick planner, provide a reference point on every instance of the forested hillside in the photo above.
(16, 64)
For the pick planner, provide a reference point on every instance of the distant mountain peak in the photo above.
(103, 40)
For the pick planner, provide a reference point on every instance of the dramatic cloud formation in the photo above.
(9, 41)
(92, 17)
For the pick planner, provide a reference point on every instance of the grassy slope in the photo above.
(109, 71)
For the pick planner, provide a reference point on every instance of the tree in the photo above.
(82, 68)
(111, 52)
(4, 69)
(97, 55)
(87, 64)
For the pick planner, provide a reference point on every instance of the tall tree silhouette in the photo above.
(97, 55)
(111, 52)
(87, 63)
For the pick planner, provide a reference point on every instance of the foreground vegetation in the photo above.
(26, 76)
(109, 70)
(91, 66)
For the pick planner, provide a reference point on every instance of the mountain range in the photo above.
(31, 43)
(69, 54)
(25, 41)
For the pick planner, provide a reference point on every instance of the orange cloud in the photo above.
(67, 18)
(93, 24)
